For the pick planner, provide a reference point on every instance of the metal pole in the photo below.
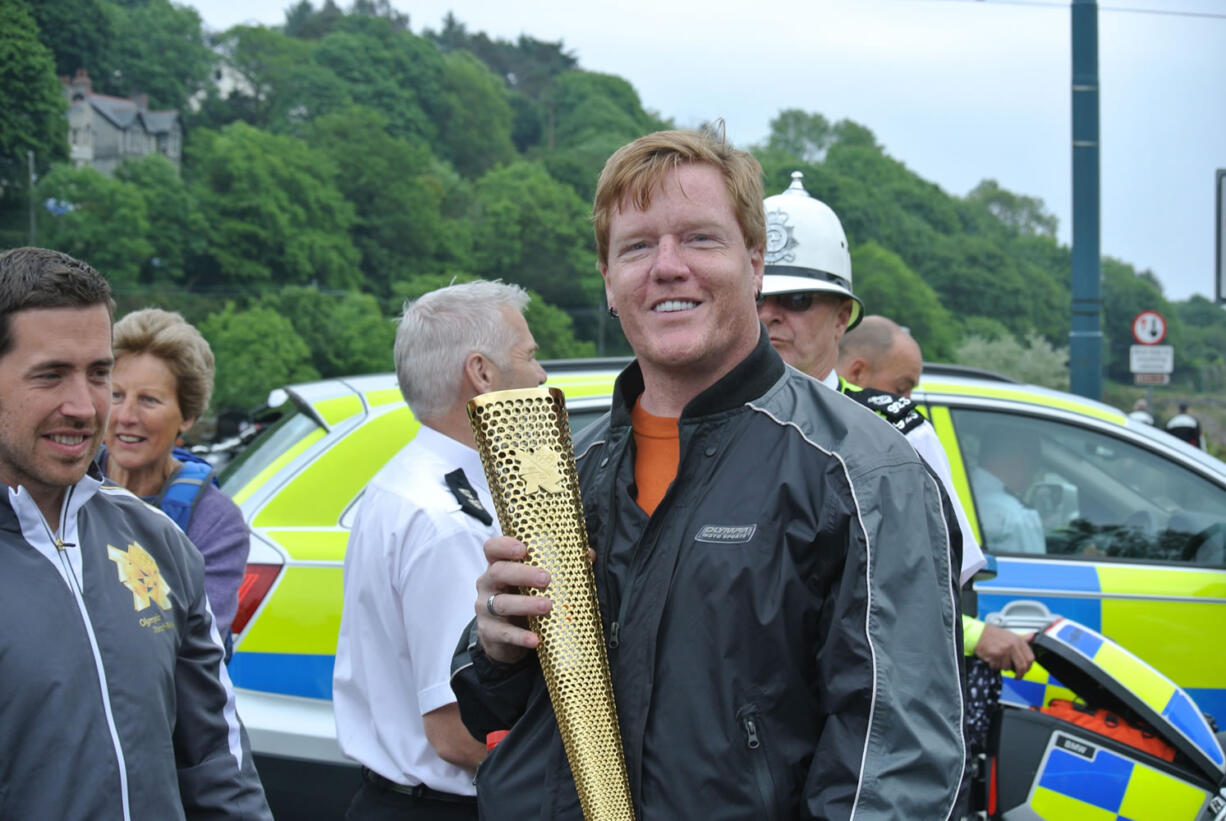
(30, 197)
(1086, 338)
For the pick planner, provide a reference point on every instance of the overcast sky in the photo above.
(957, 90)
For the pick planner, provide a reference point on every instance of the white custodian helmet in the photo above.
(806, 249)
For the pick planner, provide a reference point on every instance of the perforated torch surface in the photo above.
(523, 437)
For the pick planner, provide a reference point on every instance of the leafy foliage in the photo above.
(352, 163)
(274, 213)
(345, 333)
(884, 281)
(256, 350)
(532, 230)
(158, 49)
(1037, 361)
(33, 110)
(105, 222)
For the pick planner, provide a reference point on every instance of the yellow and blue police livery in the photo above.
(1088, 783)
(1134, 524)
(1051, 769)
(1129, 516)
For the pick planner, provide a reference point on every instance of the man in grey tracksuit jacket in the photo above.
(116, 703)
(114, 699)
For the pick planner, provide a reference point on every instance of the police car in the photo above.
(1133, 544)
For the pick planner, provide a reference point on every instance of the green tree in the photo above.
(33, 104)
(1025, 215)
(256, 351)
(265, 59)
(1037, 361)
(159, 50)
(176, 226)
(585, 104)
(530, 229)
(273, 211)
(345, 333)
(78, 32)
(304, 22)
(887, 286)
(399, 193)
(476, 117)
(396, 73)
(800, 134)
(99, 220)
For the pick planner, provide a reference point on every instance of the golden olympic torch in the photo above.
(523, 437)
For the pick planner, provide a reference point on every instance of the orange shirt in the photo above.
(657, 452)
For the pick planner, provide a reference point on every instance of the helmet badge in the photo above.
(780, 243)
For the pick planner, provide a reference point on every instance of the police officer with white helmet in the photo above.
(808, 304)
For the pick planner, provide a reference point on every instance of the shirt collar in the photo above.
(456, 454)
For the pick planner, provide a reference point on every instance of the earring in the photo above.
(613, 313)
(758, 298)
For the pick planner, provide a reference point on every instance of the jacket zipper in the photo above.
(75, 585)
(749, 719)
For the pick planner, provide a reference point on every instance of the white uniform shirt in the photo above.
(1008, 525)
(410, 575)
(928, 445)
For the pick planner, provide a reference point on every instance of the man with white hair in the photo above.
(414, 554)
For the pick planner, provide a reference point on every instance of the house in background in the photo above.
(103, 130)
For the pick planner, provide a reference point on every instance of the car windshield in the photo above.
(288, 431)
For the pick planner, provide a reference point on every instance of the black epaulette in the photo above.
(899, 411)
(469, 501)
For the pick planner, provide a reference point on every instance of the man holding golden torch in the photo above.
(773, 573)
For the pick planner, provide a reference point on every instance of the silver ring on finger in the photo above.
(489, 605)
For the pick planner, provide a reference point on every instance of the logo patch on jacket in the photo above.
(726, 534)
(139, 573)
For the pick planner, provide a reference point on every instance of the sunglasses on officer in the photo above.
(793, 303)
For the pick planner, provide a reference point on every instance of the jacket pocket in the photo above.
(750, 722)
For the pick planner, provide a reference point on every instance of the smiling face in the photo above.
(55, 393)
(145, 419)
(683, 281)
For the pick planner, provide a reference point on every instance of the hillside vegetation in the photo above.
(353, 162)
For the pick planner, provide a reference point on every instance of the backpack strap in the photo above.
(899, 411)
(181, 495)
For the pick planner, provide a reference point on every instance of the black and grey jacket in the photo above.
(114, 701)
(782, 629)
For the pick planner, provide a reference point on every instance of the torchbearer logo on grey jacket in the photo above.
(139, 573)
(726, 534)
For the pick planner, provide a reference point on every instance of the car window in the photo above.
(261, 453)
(1047, 487)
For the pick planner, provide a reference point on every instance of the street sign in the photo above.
(1148, 328)
(1151, 358)
(1152, 378)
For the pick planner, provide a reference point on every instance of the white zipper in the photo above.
(38, 534)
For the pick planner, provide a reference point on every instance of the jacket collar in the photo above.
(751, 378)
